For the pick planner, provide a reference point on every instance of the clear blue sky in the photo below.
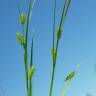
(77, 46)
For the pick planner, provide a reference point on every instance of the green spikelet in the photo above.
(70, 76)
(31, 71)
(53, 54)
(22, 18)
(20, 39)
(58, 34)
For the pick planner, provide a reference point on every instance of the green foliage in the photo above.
(20, 39)
(23, 40)
(29, 71)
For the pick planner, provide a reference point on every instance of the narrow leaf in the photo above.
(33, 3)
(68, 4)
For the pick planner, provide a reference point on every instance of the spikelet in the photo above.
(31, 71)
(70, 76)
(20, 39)
(22, 18)
(58, 34)
(53, 54)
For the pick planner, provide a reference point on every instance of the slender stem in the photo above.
(52, 80)
(63, 15)
(26, 71)
(54, 18)
(68, 4)
(53, 65)
(26, 40)
(64, 12)
(53, 70)
(23, 31)
(28, 22)
(31, 63)
(30, 87)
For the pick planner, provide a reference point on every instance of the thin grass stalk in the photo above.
(62, 16)
(26, 40)
(54, 18)
(53, 67)
(52, 80)
(64, 13)
(31, 63)
(68, 4)
(23, 31)
(26, 72)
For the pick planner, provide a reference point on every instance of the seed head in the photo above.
(20, 39)
(31, 71)
(58, 34)
(22, 18)
(53, 54)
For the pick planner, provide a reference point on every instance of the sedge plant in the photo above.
(55, 45)
(23, 40)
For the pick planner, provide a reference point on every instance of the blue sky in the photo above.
(77, 46)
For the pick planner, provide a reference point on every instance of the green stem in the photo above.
(63, 15)
(53, 65)
(26, 71)
(53, 70)
(28, 22)
(54, 18)
(31, 63)
(30, 87)
(23, 31)
(64, 12)
(52, 80)
(26, 40)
